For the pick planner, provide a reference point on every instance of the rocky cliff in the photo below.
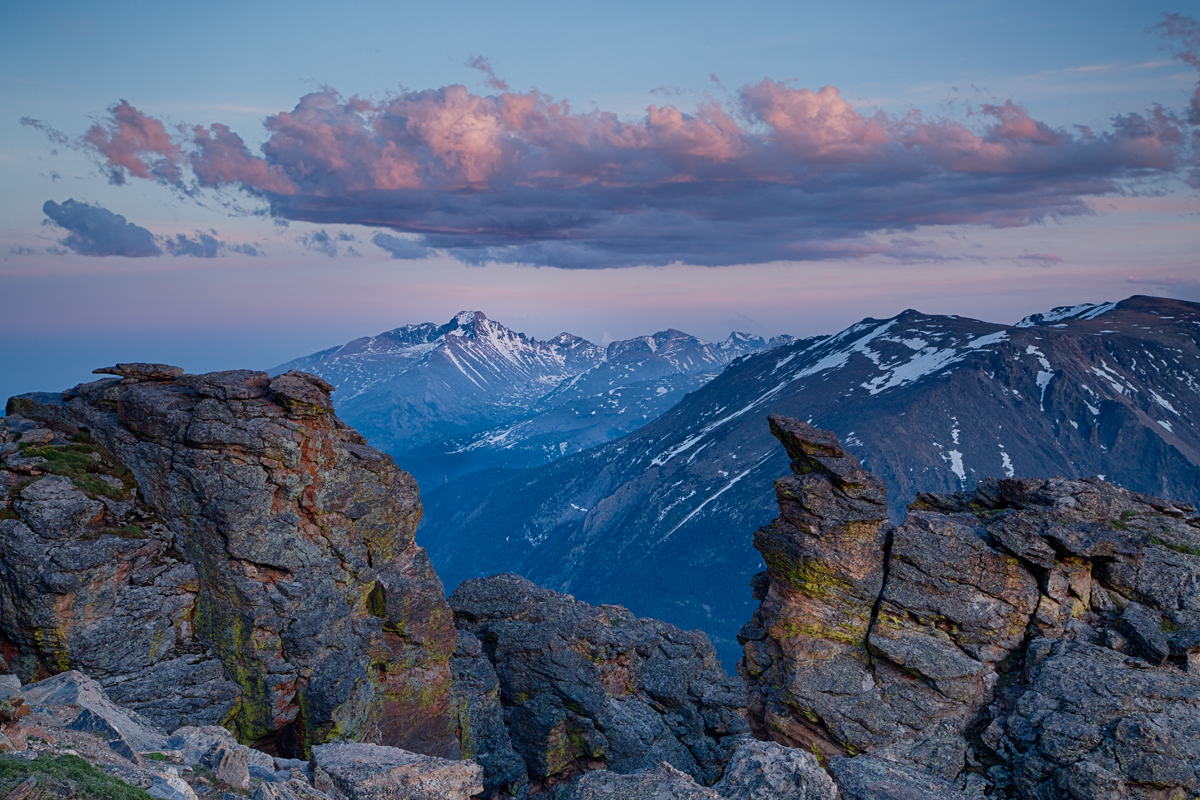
(1032, 638)
(221, 549)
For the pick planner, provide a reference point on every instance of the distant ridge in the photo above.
(473, 394)
(927, 402)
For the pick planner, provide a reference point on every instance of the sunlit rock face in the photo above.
(221, 548)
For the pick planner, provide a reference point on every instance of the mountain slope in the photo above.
(661, 520)
(473, 394)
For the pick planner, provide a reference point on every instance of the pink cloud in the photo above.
(135, 143)
(775, 173)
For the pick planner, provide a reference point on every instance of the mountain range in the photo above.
(660, 519)
(472, 394)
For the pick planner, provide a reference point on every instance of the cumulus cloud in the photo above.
(96, 231)
(777, 173)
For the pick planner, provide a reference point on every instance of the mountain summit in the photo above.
(473, 394)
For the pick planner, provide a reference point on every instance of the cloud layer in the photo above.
(775, 173)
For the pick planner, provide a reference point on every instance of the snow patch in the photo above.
(1166, 425)
(1006, 462)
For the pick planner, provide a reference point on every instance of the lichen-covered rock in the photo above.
(934, 652)
(372, 772)
(482, 734)
(805, 648)
(221, 549)
(586, 687)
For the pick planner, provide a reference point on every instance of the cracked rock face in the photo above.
(587, 687)
(977, 642)
(221, 549)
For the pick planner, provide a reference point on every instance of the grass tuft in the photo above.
(64, 776)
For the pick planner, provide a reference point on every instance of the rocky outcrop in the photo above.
(221, 549)
(370, 772)
(585, 687)
(972, 646)
(756, 771)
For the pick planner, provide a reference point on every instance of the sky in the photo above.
(230, 185)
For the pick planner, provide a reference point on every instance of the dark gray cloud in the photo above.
(96, 231)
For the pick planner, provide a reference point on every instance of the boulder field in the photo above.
(209, 585)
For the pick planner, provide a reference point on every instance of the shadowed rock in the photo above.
(970, 635)
(220, 548)
(586, 687)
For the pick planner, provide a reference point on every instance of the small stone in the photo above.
(230, 763)
(1115, 641)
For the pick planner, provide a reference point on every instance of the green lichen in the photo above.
(1178, 548)
(812, 576)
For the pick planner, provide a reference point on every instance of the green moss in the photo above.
(83, 462)
(125, 532)
(1178, 548)
(8, 513)
(65, 776)
(1170, 626)
(155, 756)
(377, 601)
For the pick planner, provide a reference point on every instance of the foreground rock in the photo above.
(371, 772)
(221, 548)
(587, 687)
(972, 645)
(756, 771)
(70, 717)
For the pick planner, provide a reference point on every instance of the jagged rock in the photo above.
(585, 687)
(925, 673)
(232, 553)
(372, 772)
(868, 778)
(76, 689)
(769, 771)
(663, 782)
(1093, 721)
(481, 720)
(92, 722)
(806, 644)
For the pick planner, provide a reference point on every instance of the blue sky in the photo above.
(1041, 215)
